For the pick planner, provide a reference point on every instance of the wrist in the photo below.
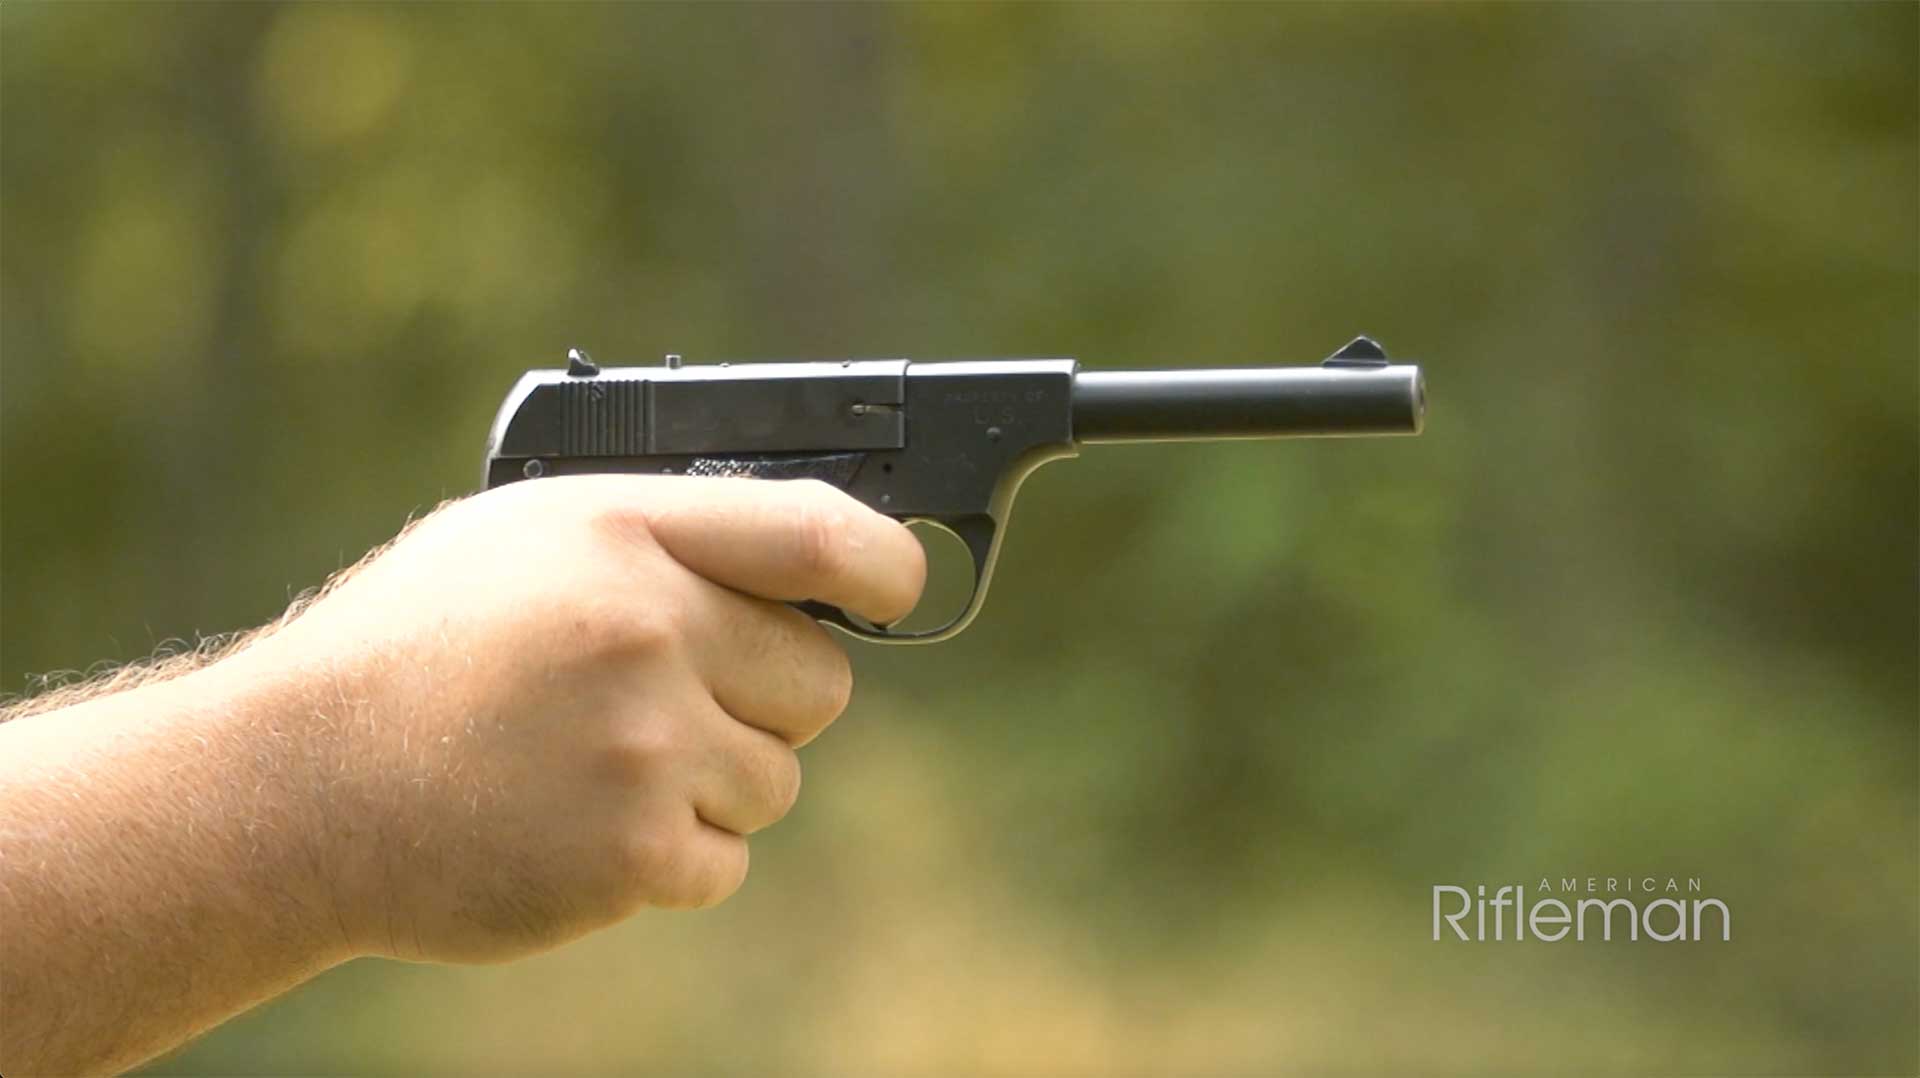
(265, 736)
(346, 723)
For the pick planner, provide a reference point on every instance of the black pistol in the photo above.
(946, 444)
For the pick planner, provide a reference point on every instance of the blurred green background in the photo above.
(1642, 601)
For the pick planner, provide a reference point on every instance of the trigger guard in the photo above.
(980, 534)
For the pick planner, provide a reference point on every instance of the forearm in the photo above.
(159, 866)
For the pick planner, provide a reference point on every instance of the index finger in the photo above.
(788, 539)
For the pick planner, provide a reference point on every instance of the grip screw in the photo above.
(533, 469)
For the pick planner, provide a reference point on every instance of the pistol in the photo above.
(943, 444)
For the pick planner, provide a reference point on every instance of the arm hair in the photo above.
(175, 658)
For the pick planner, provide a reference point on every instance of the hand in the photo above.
(553, 704)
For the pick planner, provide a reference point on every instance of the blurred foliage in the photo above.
(1641, 601)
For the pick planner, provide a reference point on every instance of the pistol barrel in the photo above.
(1247, 402)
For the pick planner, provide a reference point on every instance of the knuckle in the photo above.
(638, 755)
(664, 868)
(775, 776)
(821, 685)
(724, 878)
(650, 627)
(654, 626)
(651, 860)
(645, 614)
(596, 635)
